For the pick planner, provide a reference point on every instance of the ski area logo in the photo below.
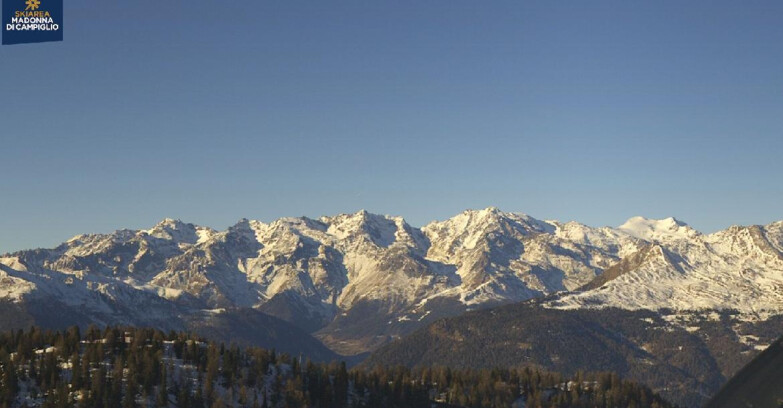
(32, 21)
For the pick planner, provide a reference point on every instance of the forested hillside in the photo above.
(126, 367)
(684, 364)
(758, 384)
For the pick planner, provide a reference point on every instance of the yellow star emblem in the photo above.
(32, 4)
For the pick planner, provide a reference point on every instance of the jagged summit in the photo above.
(382, 230)
(493, 217)
(176, 230)
(170, 222)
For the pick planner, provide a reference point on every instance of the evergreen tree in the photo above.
(163, 392)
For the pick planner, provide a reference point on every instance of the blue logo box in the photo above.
(32, 21)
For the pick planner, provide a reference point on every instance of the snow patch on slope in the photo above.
(13, 288)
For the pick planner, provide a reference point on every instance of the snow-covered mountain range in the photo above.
(740, 268)
(359, 280)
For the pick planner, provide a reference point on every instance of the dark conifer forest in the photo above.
(134, 367)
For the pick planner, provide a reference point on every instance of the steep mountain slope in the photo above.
(759, 384)
(686, 364)
(740, 268)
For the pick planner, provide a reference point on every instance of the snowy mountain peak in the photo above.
(382, 230)
(657, 230)
(481, 230)
(488, 210)
(489, 213)
(244, 227)
(492, 217)
(176, 230)
(170, 222)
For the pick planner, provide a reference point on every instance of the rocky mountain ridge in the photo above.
(360, 280)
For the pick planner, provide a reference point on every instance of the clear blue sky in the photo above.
(211, 111)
